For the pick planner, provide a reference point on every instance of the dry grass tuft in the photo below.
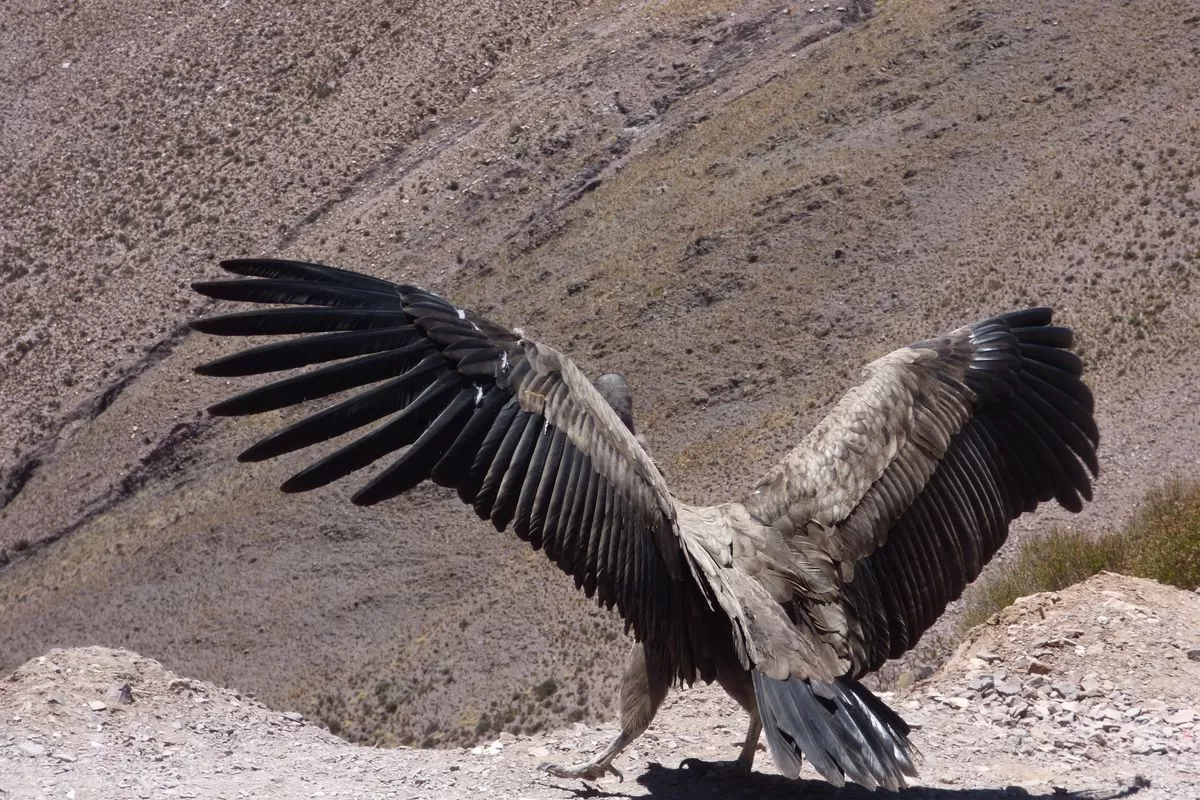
(1164, 538)
(1161, 543)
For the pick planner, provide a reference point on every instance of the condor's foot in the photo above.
(731, 769)
(591, 771)
(598, 767)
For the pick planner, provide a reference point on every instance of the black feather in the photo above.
(960, 512)
(294, 353)
(415, 465)
(1065, 471)
(454, 467)
(1027, 318)
(485, 498)
(354, 412)
(1046, 336)
(276, 321)
(1063, 381)
(303, 270)
(1010, 444)
(1064, 360)
(1067, 405)
(403, 429)
(547, 522)
(1065, 429)
(564, 534)
(531, 480)
(545, 488)
(323, 382)
(468, 489)
(295, 292)
(509, 493)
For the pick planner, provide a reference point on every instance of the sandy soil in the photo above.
(737, 204)
(66, 730)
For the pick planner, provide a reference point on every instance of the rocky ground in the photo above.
(736, 202)
(1086, 693)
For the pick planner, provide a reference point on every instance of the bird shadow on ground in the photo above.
(691, 784)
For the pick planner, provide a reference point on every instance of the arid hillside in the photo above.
(1051, 699)
(736, 204)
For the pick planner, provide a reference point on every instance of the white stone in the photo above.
(31, 749)
(1181, 717)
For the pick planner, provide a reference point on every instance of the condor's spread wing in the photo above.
(511, 424)
(908, 486)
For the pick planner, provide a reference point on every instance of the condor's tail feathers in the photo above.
(844, 730)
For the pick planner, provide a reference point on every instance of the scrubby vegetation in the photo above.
(384, 717)
(1161, 542)
(1164, 538)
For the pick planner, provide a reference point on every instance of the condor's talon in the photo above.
(589, 772)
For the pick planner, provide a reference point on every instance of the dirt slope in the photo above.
(64, 727)
(736, 204)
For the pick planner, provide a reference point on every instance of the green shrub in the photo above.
(1044, 563)
(1165, 536)
(1161, 542)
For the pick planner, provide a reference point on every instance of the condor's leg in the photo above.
(643, 688)
(737, 684)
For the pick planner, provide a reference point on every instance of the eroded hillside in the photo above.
(735, 204)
